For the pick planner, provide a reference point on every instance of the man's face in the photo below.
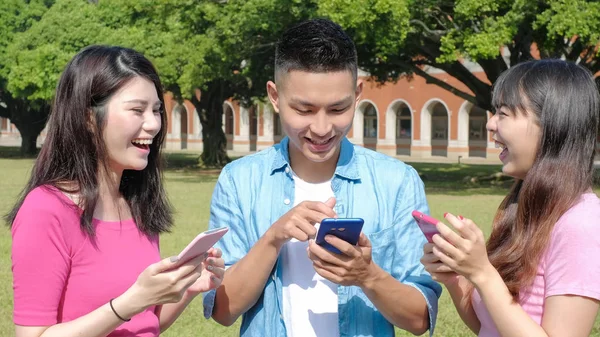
(316, 110)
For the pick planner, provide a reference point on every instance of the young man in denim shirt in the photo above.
(273, 201)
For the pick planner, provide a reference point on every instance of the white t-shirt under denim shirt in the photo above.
(310, 302)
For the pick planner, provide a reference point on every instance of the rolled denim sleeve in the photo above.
(225, 211)
(413, 198)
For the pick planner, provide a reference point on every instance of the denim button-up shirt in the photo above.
(255, 191)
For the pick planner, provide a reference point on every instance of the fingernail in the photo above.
(210, 268)
(461, 217)
(214, 278)
(445, 214)
(174, 259)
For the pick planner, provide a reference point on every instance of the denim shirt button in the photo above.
(286, 201)
(287, 170)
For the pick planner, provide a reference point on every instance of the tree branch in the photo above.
(434, 80)
(460, 72)
(437, 34)
(493, 67)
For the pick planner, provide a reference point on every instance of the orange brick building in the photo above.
(407, 118)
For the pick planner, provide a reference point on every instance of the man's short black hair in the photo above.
(316, 45)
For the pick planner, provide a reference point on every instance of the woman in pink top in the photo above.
(85, 249)
(538, 275)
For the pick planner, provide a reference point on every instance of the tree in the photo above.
(28, 115)
(403, 38)
(208, 51)
(186, 55)
(244, 37)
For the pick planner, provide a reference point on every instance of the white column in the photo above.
(266, 140)
(174, 138)
(195, 135)
(357, 127)
(241, 143)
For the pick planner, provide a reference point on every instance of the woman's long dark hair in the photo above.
(74, 152)
(564, 99)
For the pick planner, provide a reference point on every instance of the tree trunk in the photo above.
(29, 134)
(209, 105)
(30, 119)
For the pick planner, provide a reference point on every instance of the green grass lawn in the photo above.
(190, 190)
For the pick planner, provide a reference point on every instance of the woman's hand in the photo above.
(463, 252)
(439, 271)
(212, 274)
(165, 282)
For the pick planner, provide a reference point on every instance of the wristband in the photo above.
(119, 316)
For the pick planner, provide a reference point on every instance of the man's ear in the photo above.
(273, 95)
(358, 92)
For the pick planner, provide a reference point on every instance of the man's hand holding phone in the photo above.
(299, 222)
(353, 267)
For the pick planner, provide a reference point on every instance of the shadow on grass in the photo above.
(188, 162)
(462, 179)
(191, 177)
(448, 179)
(14, 152)
(187, 167)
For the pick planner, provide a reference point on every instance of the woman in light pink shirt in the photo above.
(538, 274)
(85, 249)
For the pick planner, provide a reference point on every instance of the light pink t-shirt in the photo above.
(60, 274)
(569, 266)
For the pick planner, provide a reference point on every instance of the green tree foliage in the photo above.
(29, 114)
(210, 50)
(404, 37)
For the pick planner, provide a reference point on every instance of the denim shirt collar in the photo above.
(346, 166)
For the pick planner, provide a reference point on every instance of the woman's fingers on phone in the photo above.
(429, 258)
(447, 234)
(477, 234)
(215, 262)
(216, 270)
(190, 279)
(189, 267)
(438, 268)
(214, 252)
(215, 266)
(163, 265)
(461, 227)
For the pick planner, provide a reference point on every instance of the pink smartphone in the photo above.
(426, 224)
(201, 244)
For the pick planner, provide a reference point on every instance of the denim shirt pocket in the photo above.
(383, 247)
